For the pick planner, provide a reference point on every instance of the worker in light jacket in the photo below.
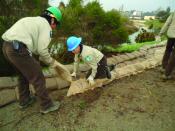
(32, 35)
(90, 56)
(168, 61)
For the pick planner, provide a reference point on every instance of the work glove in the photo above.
(73, 74)
(90, 80)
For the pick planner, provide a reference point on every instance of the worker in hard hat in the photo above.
(90, 56)
(32, 35)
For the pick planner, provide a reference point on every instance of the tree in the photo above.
(93, 24)
(163, 14)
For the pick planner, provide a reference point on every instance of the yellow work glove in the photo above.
(90, 80)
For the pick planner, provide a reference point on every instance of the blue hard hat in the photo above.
(73, 42)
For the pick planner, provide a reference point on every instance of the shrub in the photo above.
(93, 24)
(144, 37)
(155, 25)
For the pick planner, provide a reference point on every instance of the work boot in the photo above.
(54, 107)
(112, 67)
(165, 77)
(109, 68)
(108, 73)
(29, 102)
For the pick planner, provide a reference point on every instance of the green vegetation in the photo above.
(127, 48)
(95, 25)
(90, 21)
(82, 105)
(11, 11)
(154, 25)
(162, 15)
(145, 37)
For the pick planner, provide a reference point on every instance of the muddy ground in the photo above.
(137, 103)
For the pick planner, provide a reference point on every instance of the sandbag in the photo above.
(63, 72)
(81, 85)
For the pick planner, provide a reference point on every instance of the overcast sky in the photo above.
(140, 5)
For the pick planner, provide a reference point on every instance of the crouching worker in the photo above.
(32, 35)
(90, 56)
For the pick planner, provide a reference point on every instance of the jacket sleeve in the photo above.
(76, 63)
(166, 25)
(43, 42)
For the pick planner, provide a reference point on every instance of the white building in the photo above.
(149, 17)
(136, 15)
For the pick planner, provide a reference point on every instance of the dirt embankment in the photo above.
(141, 103)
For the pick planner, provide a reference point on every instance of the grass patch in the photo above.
(82, 105)
(156, 25)
(128, 47)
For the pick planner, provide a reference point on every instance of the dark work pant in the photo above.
(101, 69)
(168, 61)
(168, 50)
(29, 71)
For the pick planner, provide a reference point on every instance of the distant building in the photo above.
(136, 15)
(149, 17)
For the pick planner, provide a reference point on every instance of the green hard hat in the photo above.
(56, 12)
